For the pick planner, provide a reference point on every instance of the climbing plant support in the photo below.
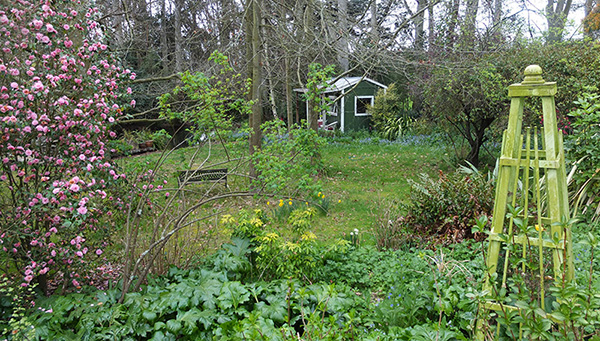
(530, 238)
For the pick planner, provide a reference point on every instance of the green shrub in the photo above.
(583, 149)
(446, 208)
(288, 162)
(388, 107)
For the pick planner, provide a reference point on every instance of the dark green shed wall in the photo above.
(352, 122)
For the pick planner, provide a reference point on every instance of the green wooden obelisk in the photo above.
(532, 188)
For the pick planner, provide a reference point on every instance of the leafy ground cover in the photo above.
(276, 269)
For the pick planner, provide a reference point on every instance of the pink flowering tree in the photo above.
(58, 91)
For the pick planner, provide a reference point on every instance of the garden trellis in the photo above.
(531, 210)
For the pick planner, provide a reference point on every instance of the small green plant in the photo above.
(161, 139)
(119, 147)
(394, 128)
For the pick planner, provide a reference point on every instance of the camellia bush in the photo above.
(58, 91)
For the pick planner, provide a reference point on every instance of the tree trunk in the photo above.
(588, 8)
(430, 27)
(269, 77)
(256, 114)
(419, 25)
(556, 16)
(374, 30)
(343, 30)
(288, 93)
(178, 37)
(497, 15)
(469, 28)
(453, 22)
(312, 116)
(164, 47)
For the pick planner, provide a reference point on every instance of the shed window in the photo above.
(361, 103)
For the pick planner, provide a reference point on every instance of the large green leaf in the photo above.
(232, 295)
(192, 317)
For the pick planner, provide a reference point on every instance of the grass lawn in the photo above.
(364, 176)
(360, 177)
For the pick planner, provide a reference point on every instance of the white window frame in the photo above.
(334, 109)
(356, 98)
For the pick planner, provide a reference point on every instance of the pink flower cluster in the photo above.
(59, 87)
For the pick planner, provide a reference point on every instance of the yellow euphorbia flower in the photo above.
(308, 236)
(256, 222)
(227, 219)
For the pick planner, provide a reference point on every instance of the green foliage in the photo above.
(390, 113)
(161, 139)
(202, 304)
(467, 100)
(563, 310)
(316, 84)
(394, 128)
(15, 323)
(288, 162)
(583, 149)
(208, 103)
(273, 254)
(119, 146)
(446, 208)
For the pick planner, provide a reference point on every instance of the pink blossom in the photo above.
(82, 210)
(98, 252)
(37, 24)
(38, 86)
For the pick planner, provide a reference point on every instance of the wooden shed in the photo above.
(349, 111)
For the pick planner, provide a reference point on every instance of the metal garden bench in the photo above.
(201, 176)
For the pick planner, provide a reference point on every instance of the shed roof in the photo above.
(345, 83)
